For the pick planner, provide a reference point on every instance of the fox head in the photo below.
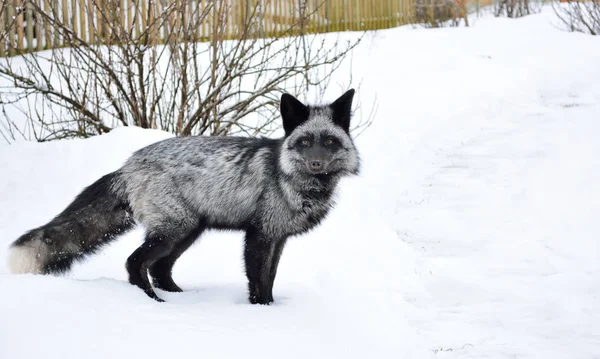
(317, 138)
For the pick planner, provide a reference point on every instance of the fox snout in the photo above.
(317, 158)
(316, 166)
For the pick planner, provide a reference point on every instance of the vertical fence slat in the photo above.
(390, 14)
(372, 15)
(227, 18)
(169, 27)
(178, 14)
(379, 14)
(29, 20)
(109, 16)
(99, 20)
(309, 16)
(47, 29)
(206, 20)
(73, 17)
(182, 23)
(155, 21)
(90, 22)
(345, 15)
(315, 16)
(239, 19)
(65, 19)
(143, 17)
(19, 24)
(10, 11)
(82, 32)
(39, 43)
(340, 15)
(334, 15)
(3, 29)
(121, 17)
(276, 16)
(200, 19)
(129, 23)
(56, 17)
(136, 18)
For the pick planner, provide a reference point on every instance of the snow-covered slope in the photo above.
(471, 232)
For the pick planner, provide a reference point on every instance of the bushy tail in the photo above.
(94, 218)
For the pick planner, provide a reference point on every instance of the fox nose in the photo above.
(316, 165)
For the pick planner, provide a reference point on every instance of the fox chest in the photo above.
(283, 220)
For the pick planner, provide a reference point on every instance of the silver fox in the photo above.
(177, 188)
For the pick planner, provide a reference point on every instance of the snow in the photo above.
(470, 233)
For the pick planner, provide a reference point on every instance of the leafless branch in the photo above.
(160, 73)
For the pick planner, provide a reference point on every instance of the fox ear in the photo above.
(293, 113)
(342, 109)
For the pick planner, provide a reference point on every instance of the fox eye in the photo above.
(329, 141)
(305, 142)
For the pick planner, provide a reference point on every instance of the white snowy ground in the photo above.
(471, 233)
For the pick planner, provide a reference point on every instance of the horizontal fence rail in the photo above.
(34, 25)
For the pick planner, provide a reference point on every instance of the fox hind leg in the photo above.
(158, 243)
(161, 270)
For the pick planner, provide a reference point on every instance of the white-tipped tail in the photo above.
(25, 259)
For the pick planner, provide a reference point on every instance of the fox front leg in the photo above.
(261, 255)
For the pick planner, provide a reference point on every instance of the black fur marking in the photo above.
(293, 113)
(342, 110)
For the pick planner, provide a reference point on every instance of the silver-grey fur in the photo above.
(176, 188)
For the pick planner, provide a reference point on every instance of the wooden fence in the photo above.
(33, 25)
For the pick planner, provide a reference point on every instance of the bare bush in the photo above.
(515, 8)
(159, 72)
(440, 13)
(580, 16)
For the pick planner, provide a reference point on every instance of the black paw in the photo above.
(153, 295)
(255, 299)
(167, 286)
